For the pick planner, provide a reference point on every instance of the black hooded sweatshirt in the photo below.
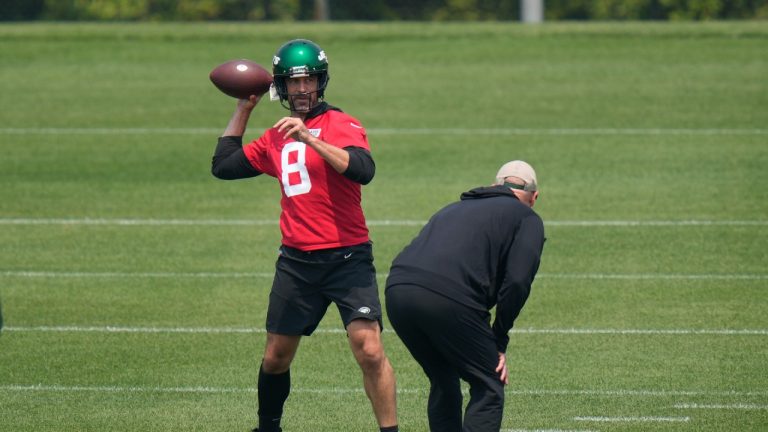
(482, 251)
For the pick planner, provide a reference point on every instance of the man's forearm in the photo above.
(238, 122)
(337, 158)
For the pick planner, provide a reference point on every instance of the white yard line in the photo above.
(653, 276)
(136, 222)
(240, 330)
(402, 131)
(569, 131)
(643, 419)
(344, 390)
(656, 223)
(546, 430)
(114, 131)
(738, 406)
(637, 393)
(87, 221)
(236, 275)
(138, 275)
(148, 330)
(670, 332)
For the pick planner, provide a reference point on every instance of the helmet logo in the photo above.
(322, 56)
(299, 71)
(275, 60)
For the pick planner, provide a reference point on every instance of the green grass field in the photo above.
(134, 284)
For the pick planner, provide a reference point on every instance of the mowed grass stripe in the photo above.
(374, 222)
(226, 330)
(403, 131)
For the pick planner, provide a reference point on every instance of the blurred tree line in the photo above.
(374, 10)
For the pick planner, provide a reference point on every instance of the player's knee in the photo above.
(490, 392)
(275, 365)
(279, 353)
(275, 362)
(365, 341)
(370, 355)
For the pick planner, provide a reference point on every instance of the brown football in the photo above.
(241, 78)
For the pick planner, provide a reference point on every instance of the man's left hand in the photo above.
(293, 127)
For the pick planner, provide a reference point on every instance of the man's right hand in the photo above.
(248, 104)
(239, 120)
(502, 370)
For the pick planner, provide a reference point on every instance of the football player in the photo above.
(320, 157)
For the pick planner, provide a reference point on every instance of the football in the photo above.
(241, 78)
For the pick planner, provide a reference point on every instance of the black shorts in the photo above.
(307, 282)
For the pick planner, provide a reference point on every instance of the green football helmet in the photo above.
(299, 58)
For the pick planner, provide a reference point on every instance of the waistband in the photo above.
(326, 255)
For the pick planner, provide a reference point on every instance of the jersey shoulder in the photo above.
(343, 130)
(343, 119)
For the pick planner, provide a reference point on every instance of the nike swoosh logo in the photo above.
(355, 126)
(348, 255)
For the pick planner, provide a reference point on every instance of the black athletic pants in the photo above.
(451, 342)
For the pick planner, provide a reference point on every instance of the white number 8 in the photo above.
(299, 166)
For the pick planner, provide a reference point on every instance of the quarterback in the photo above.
(320, 157)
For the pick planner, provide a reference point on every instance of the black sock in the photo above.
(389, 429)
(273, 391)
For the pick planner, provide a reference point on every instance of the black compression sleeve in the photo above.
(361, 166)
(229, 161)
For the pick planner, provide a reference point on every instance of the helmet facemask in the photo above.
(286, 99)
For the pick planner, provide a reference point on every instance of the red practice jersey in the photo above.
(320, 207)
